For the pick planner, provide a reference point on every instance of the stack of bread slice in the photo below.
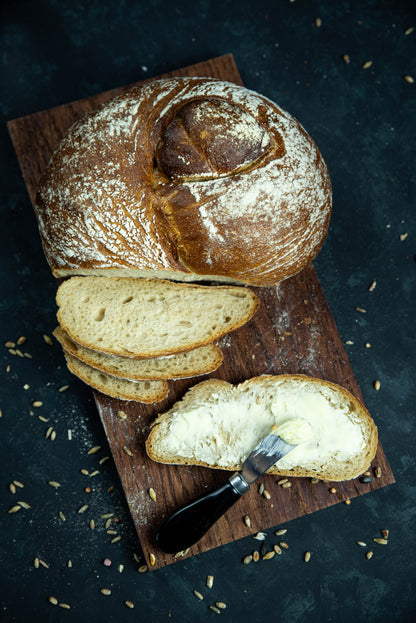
(126, 337)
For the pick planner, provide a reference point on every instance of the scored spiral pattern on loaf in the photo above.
(185, 178)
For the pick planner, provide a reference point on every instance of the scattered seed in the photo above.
(384, 534)
(263, 549)
(69, 564)
(281, 532)
(346, 58)
(43, 419)
(53, 483)
(366, 479)
(107, 562)
(367, 345)
(247, 559)
(28, 355)
(247, 521)
(53, 435)
(332, 490)
(122, 415)
(367, 64)
(152, 494)
(105, 591)
(1, 412)
(347, 502)
(221, 605)
(284, 545)
(361, 543)
(63, 388)
(24, 505)
(12, 488)
(404, 236)
(104, 460)
(369, 554)
(94, 473)
(152, 559)
(22, 339)
(10, 344)
(129, 604)
(372, 286)
(37, 403)
(377, 471)
(269, 555)
(314, 481)
(53, 601)
(120, 568)
(127, 451)
(48, 340)
(266, 494)
(261, 489)
(18, 484)
(94, 450)
(318, 22)
(43, 563)
(107, 515)
(349, 342)
(256, 556)
(260, 536)
(62, 516)
(210, 581)
(198, 595)
(83, 508)
(87, 489)
(215, 609)
(361, 310)
(65, 606)
(381, 541)
(410, 80)
(108, 524)
(116, 539)
(143, 568)
(282, 482)
(92, 524)
(307, 556)
(277, 549)
(286, 485)
(377, 385)
(409, 31)
(36, 563)
(84, 471)
(49, 431)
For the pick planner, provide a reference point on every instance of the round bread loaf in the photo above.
(185, 179)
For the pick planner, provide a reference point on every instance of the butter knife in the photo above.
(189, 524)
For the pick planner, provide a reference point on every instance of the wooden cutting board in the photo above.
(292, 332)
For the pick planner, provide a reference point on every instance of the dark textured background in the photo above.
(363, 121)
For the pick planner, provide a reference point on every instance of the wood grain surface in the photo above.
(292, 332)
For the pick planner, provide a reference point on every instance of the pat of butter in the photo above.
(295, 431)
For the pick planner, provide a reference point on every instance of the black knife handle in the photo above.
(187, 525)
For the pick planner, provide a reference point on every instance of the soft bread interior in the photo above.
(218, 425)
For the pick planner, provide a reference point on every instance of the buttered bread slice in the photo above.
(218, 425)
(149, 317)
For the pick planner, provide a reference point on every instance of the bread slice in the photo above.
(139, 391)
(217, 425)
(193, 363)
(149, 317)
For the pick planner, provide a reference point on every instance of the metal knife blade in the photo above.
(270, 450)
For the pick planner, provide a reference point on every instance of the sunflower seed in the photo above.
(284, 545)
(65, 606)
(198, 595)
(94, 450)
(10, 344)
(53, 483)
(127, 451)
(152, 559)
(361, 543)
(122, 415)
(21, 340)
(286, 485)
(266, 494)
(53, 435)
(283, 481)
(12, 488)
(36, 563)
(48, 340)
(53, 601)
(384, 534)
(247, 559)
(277, 549)
(18, 484)
(307, 556)
(260, 536)
(83, 508)
(263, 549)
(269, 555)
(152, 494)
(261, 489)
(37, 403)
(256, 556)
(129, 604)
(377, 385)
(377, 471)
(210, 581)
(24, 505)
(247, 521)
(215, 609)
(221, 605)
(410, 80)
(369, 554)
(120, 568)
(69, 564)
(281, 532)
(381, 541)
(367, 64)
(105, 591)
(143, 568)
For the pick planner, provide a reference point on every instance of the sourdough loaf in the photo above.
(143, 318)
(193, 363)
(217, 425)
(139, 391)
(185, 179)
